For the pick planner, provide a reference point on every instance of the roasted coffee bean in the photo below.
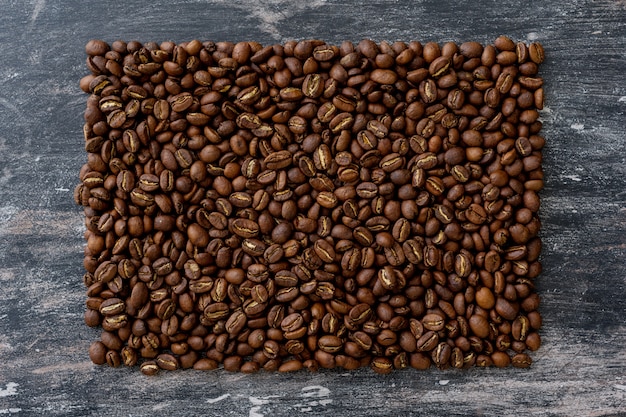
(521, 360)
(149, 368)
(427, 342)
(167, 362)
(112, 307)
(479, 325)
(433, 321)
(324, 250)
(245, 228)
(278, 160)
(97, 353)
(304, 205)
(383, 76)
(441, 355)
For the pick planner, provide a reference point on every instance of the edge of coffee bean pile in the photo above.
(307, 205)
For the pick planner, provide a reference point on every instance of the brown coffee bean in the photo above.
(506, 309)
(167, 362)
(479, 326)
(330, 344)
(205, 364)
(324, 250)
(313, 86)
(428, 341)
(441, 355)
(382, 365)
(439, 66)
(520, 328)
(278, 160)
(521, 360)
(500, 359)
(533, 341)
(433, 321)
(476, 214)
(536, 53)
(484, 298)
(149, 368)
(97, 353)
(198, 236)
(327, 199)
(112, 307)
(245, 228)
(382, 76)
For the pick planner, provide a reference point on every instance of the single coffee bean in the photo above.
(324, 250)
(428, 341)
(433, 321)
(441, 355)
(479, 326)
(383, 76)
(245, 228)
(330, 344)
(149, 368)
(521, 360)
(278, 160)
(382, 365)
(97, 353)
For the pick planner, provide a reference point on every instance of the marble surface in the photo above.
(579, 370)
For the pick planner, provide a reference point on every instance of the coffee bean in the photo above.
(278, 160)
(112, 307)
(324, 250)
(484, 298)
(245, 228)
(383, 76)
(433, 321)
(441, 355)
(149, 368)
(97, 353)
(235, 323)
(506, 309)
(382, 365)
(479, 326)
(427, 342)
(521, 360)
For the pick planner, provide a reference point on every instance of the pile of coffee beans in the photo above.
(308, 205)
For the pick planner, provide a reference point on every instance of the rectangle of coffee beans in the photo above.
(310, 205)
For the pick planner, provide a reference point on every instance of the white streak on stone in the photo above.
(220, 398)
(258, 402)
(532, 36)
(158, 407)
(315, 391)
(39, 5)
(10, 389)
(254, 412)
(10, 410)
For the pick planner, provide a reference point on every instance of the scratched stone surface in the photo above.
(581, 367)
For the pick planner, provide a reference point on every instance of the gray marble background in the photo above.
(44, 367)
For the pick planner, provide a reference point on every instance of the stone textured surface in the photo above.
(581, 367)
